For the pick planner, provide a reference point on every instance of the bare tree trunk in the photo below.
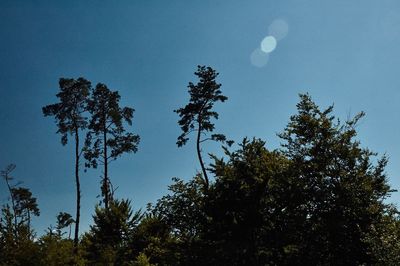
(206, 183)
(78, 192)
(13, 205)
(29, 223)
(105, 179)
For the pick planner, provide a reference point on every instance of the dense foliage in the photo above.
(320, 199)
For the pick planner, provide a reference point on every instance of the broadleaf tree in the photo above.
(342, 186)
(107, 138)
(70, 117)
(197, 114)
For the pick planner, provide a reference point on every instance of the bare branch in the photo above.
(201, 141)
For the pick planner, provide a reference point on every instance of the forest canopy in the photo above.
(318, 199)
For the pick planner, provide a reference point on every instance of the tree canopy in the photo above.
(107, 138)
(320, 198)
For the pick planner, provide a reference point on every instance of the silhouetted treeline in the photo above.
(319, 199)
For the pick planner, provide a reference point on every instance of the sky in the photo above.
(341, 52)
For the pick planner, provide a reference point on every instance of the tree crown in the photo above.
(107, 118)
(197, 114)
(68, 112)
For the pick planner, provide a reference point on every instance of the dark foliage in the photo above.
(197, 114)
(320, 199)
(317, 201)
(107, 138)
(16, 236)
(109, 238)
(70, 117)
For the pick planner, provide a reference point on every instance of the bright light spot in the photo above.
(279, 29)
(258, 58)
(268, 44)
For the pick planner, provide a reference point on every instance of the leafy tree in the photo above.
(108, 239)
(340, 190)
(197, 114)
(25, 205)
(64, 220)
(154, 239)
(107, 138)
(383, 239)
(186, 211)
(69, 114)
(16, 237)
(183, 208)
(55, 250)
(8, 245)
(249, 208)
(319, 200)
(142, 260)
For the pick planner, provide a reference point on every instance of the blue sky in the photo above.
(341, 52)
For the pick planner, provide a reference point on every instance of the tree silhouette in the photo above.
(319, 200)
(197, 114)
(25, 205)
(17, 246)
(341, 186)
(70, 118)
(107, 138)
(6, 174)
(109, 237)
(64, 220)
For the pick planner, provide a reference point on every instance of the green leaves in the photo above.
(109, 238)
(16, 236)
(318, 200)
(341, 189)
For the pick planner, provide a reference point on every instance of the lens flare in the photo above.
(268, 44)
(279, 29)
(258, 58)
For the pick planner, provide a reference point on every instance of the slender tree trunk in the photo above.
(13, 207)
(206, 183)
(105, 179)
(78, 192)
(29, 223)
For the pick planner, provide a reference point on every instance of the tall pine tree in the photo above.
(69, 114)
(107, 138)
(197, 114)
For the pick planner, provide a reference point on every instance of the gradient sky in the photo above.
(341, 52)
